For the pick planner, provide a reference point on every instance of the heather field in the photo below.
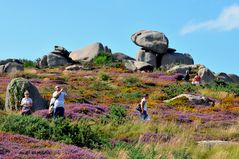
(102, 122)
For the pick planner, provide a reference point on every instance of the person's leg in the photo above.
(61, 112)
(55, 112)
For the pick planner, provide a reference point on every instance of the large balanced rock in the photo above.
(193, 99)
(58, 57)
(206, 75)
(176, 58)
(147, 56)
(89, 52)
(15, 91)
(151, 40)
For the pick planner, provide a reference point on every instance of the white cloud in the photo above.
(226, 21)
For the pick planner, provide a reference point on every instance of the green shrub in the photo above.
(28, 63)
(181, 154)
(132, 95)
(177, 89)
(98, 86)
(131, 81)
(220, 85)
(103, 59)
(116, 115)
(104, 77)
(27, 125)
(137, 153)
(80, 133)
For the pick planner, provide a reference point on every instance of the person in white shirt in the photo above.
(26, 104)
(144, 115)
(59, 96)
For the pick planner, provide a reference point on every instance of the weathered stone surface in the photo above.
(223, 76)
(194, 99)
(59, 50)
(74, 68)
(13, 67)
(151, 40)
(210, 143)
(4, 62)
(234, 77)
(42, 63)
(56, 60)
(1, 68)
(171, 50)
(129, 65)
(121, 56)
(146, 56)
(206, 75)
(15, 92)
(87, 53)
(183, 68)
(176, 58)
(143, 66)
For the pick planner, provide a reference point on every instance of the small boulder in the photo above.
(194, 99)
(206, 75)
(15, 92)
(151, 40)
(129, 65)
(74, 68)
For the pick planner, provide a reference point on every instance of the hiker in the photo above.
(196, 79)
(144, 115)
(186, 76)
(26, 104)
(59, 96)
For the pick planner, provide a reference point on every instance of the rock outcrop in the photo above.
(15, 91)
(89, 52)
(11, 65)
(58, 57)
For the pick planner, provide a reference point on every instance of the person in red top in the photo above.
(196, 79)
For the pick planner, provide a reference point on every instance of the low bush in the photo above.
(116, 115)
(131, 81)
(104, 77)
(103, 59)
(80, 133)
(177, 89)
(28, 63)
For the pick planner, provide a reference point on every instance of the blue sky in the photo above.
(208, 30)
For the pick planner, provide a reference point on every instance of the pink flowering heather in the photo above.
(76, 111)
(19, 146)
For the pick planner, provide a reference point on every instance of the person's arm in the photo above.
(142, 105)
(30, 104)
(22, 102)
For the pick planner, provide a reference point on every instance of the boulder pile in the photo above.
(11, 65)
